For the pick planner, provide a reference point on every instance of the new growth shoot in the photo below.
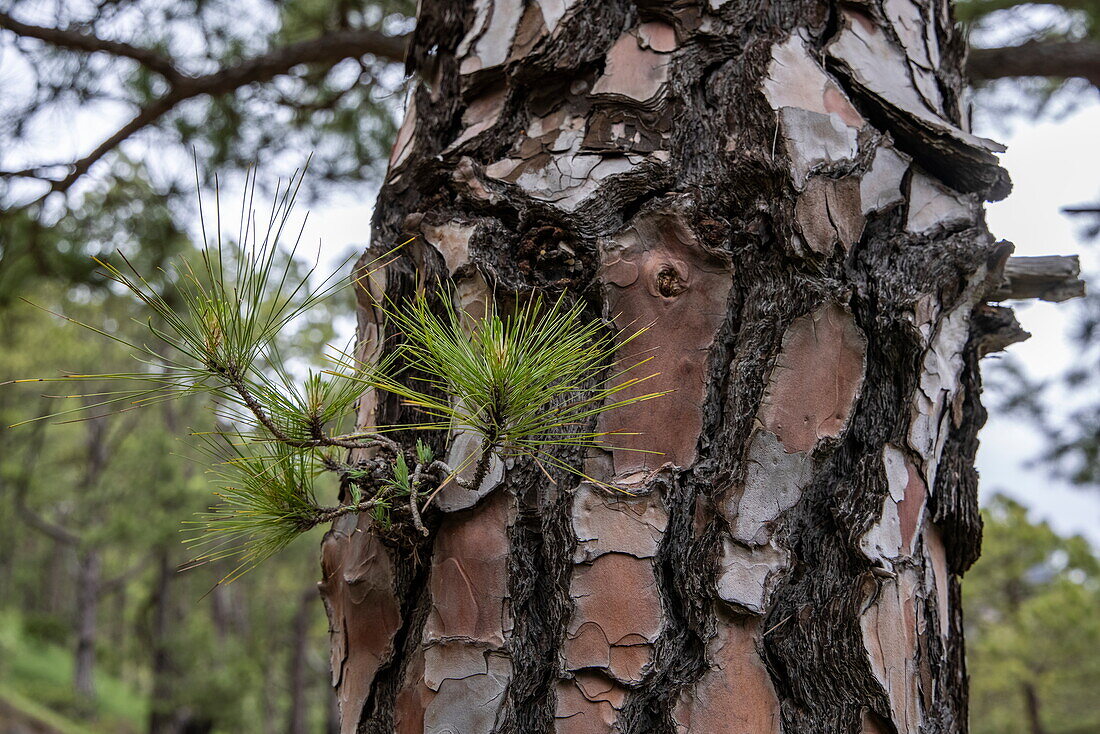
(527, 382)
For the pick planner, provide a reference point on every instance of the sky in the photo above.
(1053, 163)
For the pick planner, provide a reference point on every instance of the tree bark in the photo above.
(788, 193)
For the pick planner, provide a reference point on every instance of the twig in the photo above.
(413, 509)
(449, 475)
(328, 514)
(445, 469)
(345, 442)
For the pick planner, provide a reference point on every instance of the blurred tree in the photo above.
(1051, 42)
(1032, 628)
(90, 552)
(92, 457)
(120, 92)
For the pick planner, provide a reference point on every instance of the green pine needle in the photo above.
(526, 382)
(266, 500)
(529, 382)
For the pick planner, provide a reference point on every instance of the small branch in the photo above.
(1050, 278)
(445, 470)
(53, 531)
(1037, 58)
(449, 475)
(413, 509)
(346, 442)
(328, 514)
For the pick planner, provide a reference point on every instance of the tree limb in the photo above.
(1037, 58)
(348, 441)
(1053, 278)
(330, 48)
(79, 41)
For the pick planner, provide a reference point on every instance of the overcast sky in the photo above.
(1053, 163)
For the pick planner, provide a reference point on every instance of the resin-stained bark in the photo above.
(787, 196)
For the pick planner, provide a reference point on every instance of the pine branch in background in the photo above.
(529, 383)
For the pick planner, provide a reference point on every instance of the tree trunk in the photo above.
(164, 716)
(297, 665)
(88, 581)
(1034, 720)
(786, 191)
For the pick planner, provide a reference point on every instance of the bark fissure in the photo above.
(539, 570)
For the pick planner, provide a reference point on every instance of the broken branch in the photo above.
(1053, 278)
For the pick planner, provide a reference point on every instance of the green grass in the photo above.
(36, 680)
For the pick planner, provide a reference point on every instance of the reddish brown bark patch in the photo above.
(830, 213)
(481, 115)
(816, 378)
(656, 273)
(796, 79)
(893, 536)
(358, 591)
(600, 635)
(469, 576)
(632, 72)
(937, 556)
(873, 724)
(889, 629)
(452, 240)
(588, 704)
(413, 698)
(656, 36)
(462, 672)
(911, 508)
(736, 694)
(404, 143)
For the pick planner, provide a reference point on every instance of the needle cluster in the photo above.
(529, 381)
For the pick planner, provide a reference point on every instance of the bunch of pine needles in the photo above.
(528, 382)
